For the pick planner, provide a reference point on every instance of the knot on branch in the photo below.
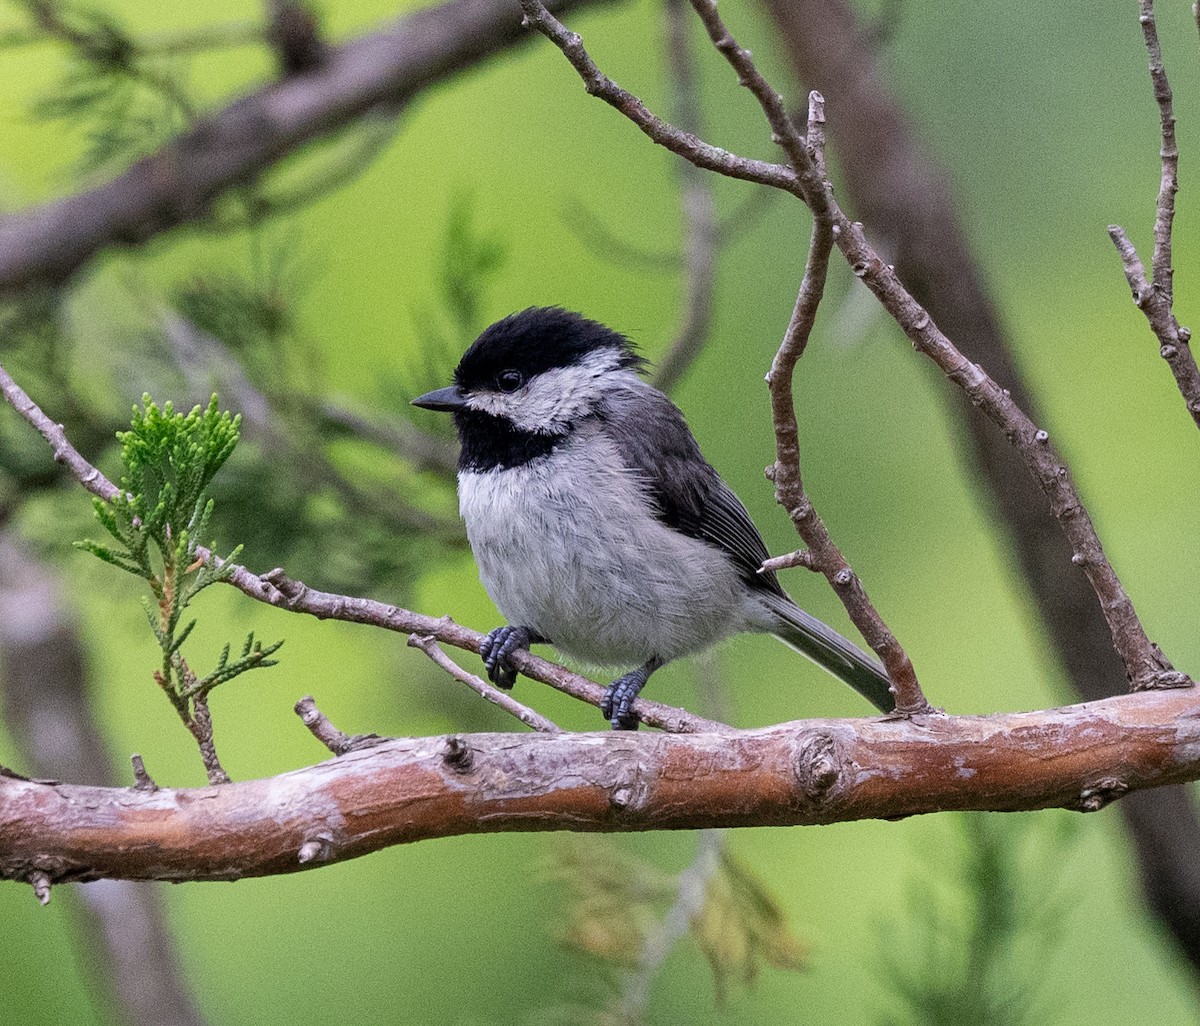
(628, 792)
(292, 591)
(818, 765)
(458, 755)
(1098, 795)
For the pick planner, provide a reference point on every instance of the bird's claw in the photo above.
(616, 704)
(497, 649)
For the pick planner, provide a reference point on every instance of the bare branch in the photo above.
(686, 145)
(1156, 298)
(510, 705)
(276, 589)
(823, 553)
(1164, 216)
(63, 451)
(405, 790)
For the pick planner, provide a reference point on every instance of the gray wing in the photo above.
(689, 495)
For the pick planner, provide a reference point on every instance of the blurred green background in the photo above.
(1044, 117)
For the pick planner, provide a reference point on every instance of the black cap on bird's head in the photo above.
(536, 340)
(535, 368)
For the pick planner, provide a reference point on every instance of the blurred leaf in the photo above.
(470, 259)
(120, 117)
(742, 925)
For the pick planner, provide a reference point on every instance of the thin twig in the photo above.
(61, 449)
(783, 130)
(1145, 664)
(801, 557)
(275, 588)
(142, 780)
(686, 145)
(1156, 297)
(823, 553)
(529, 717)
(323, 730)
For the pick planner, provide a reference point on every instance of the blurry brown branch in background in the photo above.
(700, 240)
(1156, 297)
(123, 940)
(898, 189)
(236, 145)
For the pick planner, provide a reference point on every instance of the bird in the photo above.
(596, 523)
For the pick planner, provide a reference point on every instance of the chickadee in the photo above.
(597, 524)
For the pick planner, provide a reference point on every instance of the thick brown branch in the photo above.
(178, 184)
(818, 771)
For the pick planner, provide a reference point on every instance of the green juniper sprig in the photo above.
(158, 519)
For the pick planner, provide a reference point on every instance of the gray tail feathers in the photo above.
(829, 650)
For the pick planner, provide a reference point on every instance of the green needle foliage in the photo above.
(157, 520)
(984, 922)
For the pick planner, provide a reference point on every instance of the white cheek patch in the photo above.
(556, 398)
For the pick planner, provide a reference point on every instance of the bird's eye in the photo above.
(509, 380)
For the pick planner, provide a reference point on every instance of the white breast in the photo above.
(562, 548)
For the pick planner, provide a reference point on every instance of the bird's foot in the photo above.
(616, 705)
(498, 648)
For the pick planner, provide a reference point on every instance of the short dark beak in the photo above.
(446, 399)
